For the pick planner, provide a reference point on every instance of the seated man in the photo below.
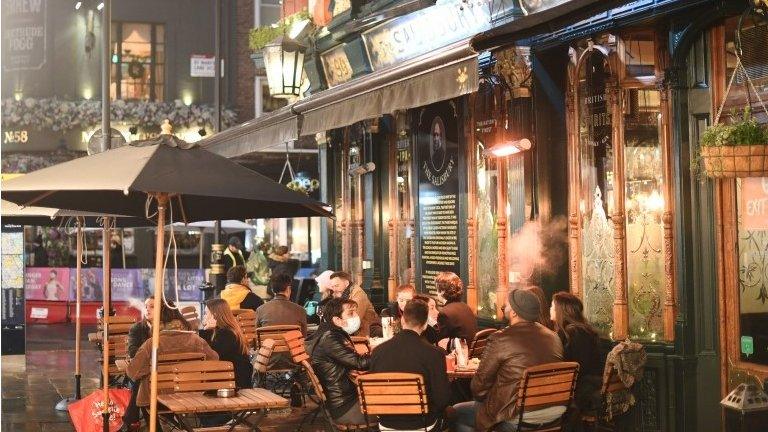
(343, 287)
(524, 343)
(334, 357)
(281, 310)
(236, 293)
(408, 352)
(137, 335)
(430, 334)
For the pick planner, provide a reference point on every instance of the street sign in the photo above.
(202, 66)
(747, 345)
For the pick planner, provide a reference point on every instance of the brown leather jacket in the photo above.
(507, 354)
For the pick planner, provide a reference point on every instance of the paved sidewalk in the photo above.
(33, 384)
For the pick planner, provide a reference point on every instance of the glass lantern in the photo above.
(284, 62)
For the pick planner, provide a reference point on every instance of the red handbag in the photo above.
(86, 414)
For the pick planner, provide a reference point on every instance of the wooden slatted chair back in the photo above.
(276, 333)
(203, 376)
(247, 320)
(362, 345)
(263, 355)
(477, 346)
(612, 384)
(165, 365)
(190, 315)
(547, 385)
(118, 325)
(393, 393)
(314, 380)
(295, 342)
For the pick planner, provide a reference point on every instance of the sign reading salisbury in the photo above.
(423, 31)
(23, 34)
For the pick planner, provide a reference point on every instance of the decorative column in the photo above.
(393, 221)
(501, 227)
(671, 78)
(471, 171)
(574, 188)
(620, 305)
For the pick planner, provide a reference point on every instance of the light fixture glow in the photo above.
(18, 95)
(509, 148)
(87, 93)
(100, 6)
(78, 5)
(284, 62)
(187, 98)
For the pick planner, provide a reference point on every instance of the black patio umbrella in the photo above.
(44, 216)
(149, 179)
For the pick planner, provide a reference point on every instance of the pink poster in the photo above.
(46, 283)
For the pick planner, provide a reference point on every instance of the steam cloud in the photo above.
(540, 248)
(138, 305)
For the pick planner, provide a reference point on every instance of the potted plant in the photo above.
(736, 149)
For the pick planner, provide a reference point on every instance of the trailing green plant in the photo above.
(259, 37)
(743, 131)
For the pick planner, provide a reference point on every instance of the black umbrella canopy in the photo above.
(43, 216)
(201, 185)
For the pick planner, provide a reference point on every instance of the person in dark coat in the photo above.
(236, 293)
(334, 357)
(280, 261)
(140, 331)
(581, 344)
(40, 255)
(281, 310)
(430, 333)
(223, 333)
(456, 319)
(408, 352)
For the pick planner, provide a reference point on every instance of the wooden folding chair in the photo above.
(247, 320)
(261, 364)
(190, 315)
(477, 346)
(277, 333)
(320, 399)
(118, 327)
(165, 365)
(545, 386)
(393, 393)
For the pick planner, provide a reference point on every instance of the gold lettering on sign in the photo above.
(336, 65)
(13, 137)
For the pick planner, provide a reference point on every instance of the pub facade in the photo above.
(557, 146)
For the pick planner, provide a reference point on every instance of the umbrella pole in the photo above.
(64, 403)
(107, 307)
(162, 201)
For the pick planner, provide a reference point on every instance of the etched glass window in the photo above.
(644, 209)
(487, 235)
(596, 191)
(752, 197)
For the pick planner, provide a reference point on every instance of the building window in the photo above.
(487, 235)
(138, 61)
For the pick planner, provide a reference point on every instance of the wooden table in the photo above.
(461, 374)
(240, 407)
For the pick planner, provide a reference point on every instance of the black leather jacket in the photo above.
(333, 357)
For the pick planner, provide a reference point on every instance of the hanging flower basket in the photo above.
(735, 161)
(739, 148)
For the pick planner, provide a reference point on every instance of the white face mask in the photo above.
(353, 325)
(432, 322)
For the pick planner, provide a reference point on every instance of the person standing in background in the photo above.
(40, 255)
(233, 254)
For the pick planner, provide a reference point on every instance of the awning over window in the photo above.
(270, 130)
(445, 74)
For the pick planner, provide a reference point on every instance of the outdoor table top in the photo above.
(246, 400)
(461, 374)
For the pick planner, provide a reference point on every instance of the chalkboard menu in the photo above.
(437, 136)
(23, 25)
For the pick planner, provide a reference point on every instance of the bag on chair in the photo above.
(86, 414)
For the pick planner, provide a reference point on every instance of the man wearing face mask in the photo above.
(334, 357)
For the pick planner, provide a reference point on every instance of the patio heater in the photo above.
(746, 409)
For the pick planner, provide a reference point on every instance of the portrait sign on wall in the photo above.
(437, 134)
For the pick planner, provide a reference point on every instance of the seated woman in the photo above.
(223, 333)
(334, 358)
(581, 345)
(175, 337)
(456, 319)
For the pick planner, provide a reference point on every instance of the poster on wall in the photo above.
(437, 135)
(12, 269)
(47, 283)
(23, 26)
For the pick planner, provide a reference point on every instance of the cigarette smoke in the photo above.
(539, 248)
(138, 305)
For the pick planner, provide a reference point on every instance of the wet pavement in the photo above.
(32, 385)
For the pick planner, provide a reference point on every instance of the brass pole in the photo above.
(105, 234)
(78, 302)
(162, 201)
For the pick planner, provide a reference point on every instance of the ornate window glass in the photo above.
(644, 210)
(404, 230)
(487, 234)
(752, 198)
(596, 189)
